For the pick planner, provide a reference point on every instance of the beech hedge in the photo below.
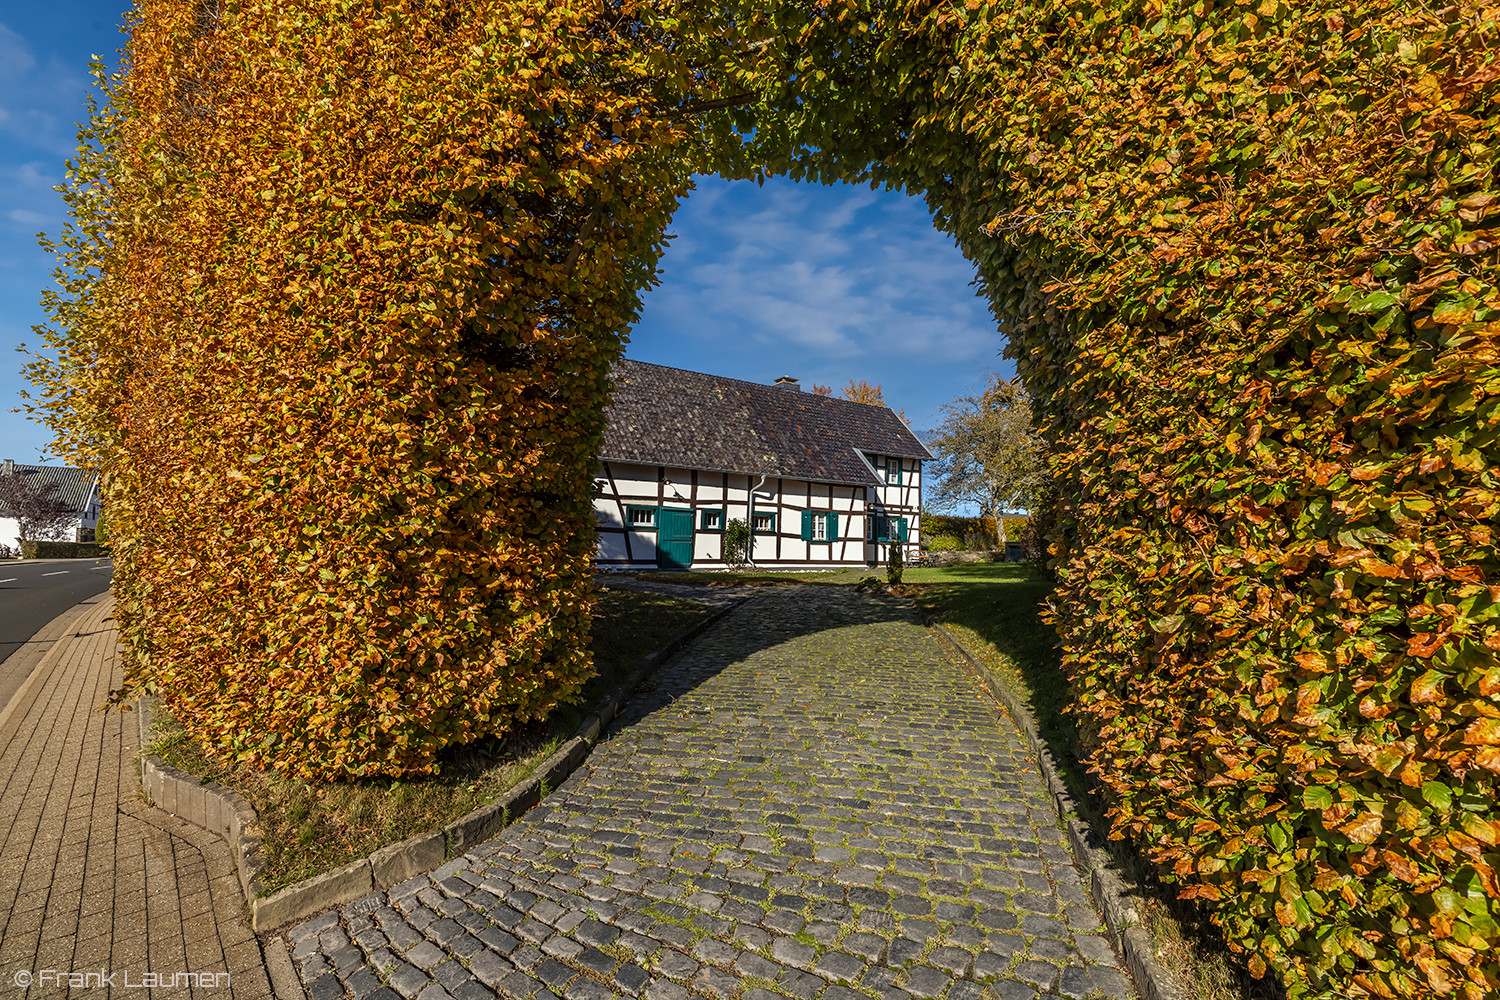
(1245, 253)
(339, 302)
(32, 549)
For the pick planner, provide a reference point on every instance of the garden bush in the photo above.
(943, 543)
(31, 549)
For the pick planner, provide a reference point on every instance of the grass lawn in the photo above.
(311, 828)
(769, 578)
(993, 611)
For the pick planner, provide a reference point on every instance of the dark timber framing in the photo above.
(685, 440)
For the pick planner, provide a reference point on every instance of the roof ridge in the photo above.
(759, 385)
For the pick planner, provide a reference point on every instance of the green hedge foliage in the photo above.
(62, 550)
(969, 527)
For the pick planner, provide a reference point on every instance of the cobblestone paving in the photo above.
(715, 596)
(811, 802)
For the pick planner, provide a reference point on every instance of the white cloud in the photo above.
(42, 98)
(806, 266)
(27, 201)
(825, 283)
(16, 59)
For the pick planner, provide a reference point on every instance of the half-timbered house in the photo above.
(821, 481)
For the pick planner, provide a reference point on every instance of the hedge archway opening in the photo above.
(346, 279)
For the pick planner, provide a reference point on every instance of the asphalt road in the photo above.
(35, 591)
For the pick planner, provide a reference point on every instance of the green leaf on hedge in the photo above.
(1437, 794)
(1317, 797)
(1373, 303)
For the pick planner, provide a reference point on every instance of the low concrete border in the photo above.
(1112, 894)
(218, 809)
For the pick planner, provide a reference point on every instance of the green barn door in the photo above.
(674, 539)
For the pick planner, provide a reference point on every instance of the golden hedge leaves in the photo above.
(1246, 255)
(361, 272)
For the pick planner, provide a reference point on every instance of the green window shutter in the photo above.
(833, 527)
(899, 464)
(807, 525)
(901, 529)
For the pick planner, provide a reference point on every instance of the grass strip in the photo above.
(842, 576)
(311, 828)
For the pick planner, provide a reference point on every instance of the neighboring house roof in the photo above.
(668, 416)
(75, 486)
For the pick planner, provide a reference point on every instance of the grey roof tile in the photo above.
(668, 416)
(75, 486)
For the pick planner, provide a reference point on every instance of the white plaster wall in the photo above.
(653, 486)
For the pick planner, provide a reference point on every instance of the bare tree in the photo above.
(988, 453)
(38, 508)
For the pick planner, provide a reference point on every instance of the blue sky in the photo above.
(826, 284)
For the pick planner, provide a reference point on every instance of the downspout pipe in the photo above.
(750, 548)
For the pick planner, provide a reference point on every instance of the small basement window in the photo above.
(764, 523)
(711, 520)
(641, 518)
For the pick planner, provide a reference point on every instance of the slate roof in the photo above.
(75, 486)
(668, 416)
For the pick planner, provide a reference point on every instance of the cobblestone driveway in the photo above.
(811, 801)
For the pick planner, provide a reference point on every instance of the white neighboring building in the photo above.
(78, 489)
(823, 481)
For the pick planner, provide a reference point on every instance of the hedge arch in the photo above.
(346, 279)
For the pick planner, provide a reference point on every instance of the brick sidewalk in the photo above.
(91, 879)
(811, 802)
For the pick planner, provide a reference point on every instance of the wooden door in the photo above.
(674, 539)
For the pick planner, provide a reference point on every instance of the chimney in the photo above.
(788, 382)
(9, 468)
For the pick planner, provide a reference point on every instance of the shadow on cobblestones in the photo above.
(810, 801)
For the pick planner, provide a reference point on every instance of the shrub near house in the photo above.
(46, 503)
